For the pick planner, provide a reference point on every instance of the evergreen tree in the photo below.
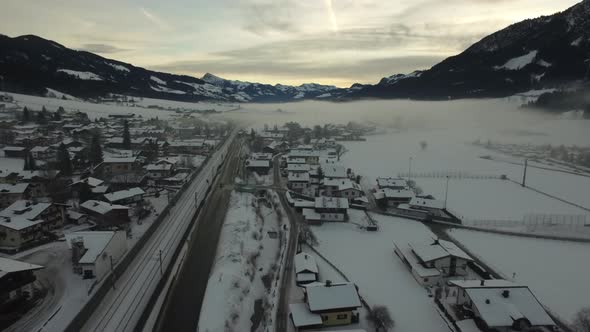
(64, 163)
(56, 116)
(61, 110)
(95, 151)
(41, 119)
(84, 192)
(26, 115)
(252, 134)
(126, 136)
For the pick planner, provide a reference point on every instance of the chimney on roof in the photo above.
(506, 293)
(487, 301)
(482, 282)
(328, 283)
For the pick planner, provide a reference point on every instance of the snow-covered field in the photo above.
(556, 271)
(368, 260)
(389, 155)
(104, 109)
(245, 254)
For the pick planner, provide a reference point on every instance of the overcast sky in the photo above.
(272, 41)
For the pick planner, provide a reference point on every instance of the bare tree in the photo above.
(423, 145)
(582, 320)
(340, 151)
(381, 317)
(306, 235)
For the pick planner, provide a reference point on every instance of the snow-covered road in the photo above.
(122, 306)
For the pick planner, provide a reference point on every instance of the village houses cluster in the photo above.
(322, 189)
(66, 178)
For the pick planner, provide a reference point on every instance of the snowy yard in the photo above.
(389, 155)
(368, 260)
(244, 281)
(474, 199)
(556, 271)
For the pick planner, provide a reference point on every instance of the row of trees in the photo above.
(43, 116)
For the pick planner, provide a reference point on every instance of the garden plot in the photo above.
(243, 284)
(556, 271)
(368, 260)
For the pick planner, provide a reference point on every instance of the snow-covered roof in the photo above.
(302, 317)
(113, 160)
(298, 177)
(40, 149)
(19, 188)
(123, 194)
(295, 161)
(437, 250)
(257, 163)
(295, 153)
(342, 184)
(335, 296)
(102, 189)
(298, 167)
(394, 193)
(92, 182)
(334, 171)
(391, 182)
(324, 202)
(304, 262)
(261, 155)
(427, 203)
(502, 306)
(159, 167)
(25, 209)
(94, 243)
(8, 265)
(101, 207)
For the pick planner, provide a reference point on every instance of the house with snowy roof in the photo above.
(392, 183)
(388, 197)
(10, 193)
(338, 187)
(106, 214)
(306, 269)
(326, 304)
(432, 262)
(94, 254)
(497, 305)
(25, 222)
(16, 278)
(260, 166)
(159, 170)
(125, 197)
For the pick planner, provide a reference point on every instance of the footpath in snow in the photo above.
(243, 289)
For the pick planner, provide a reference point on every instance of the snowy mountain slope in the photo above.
(545, 52)
(30, 64)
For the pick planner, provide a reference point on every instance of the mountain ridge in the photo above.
(548, 51)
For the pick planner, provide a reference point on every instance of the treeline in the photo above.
(560, 101)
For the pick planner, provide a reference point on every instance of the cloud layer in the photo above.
(289, 41)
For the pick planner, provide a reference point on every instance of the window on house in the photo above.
(342, 316)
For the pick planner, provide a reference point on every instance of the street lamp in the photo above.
(446, 191)
(410, 170)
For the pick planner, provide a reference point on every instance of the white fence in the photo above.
(531, 220)
(450, 174)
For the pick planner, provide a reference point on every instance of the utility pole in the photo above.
(161, 271)
(410, 170)
(112, 273)
(446, 191)
(526, 161)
